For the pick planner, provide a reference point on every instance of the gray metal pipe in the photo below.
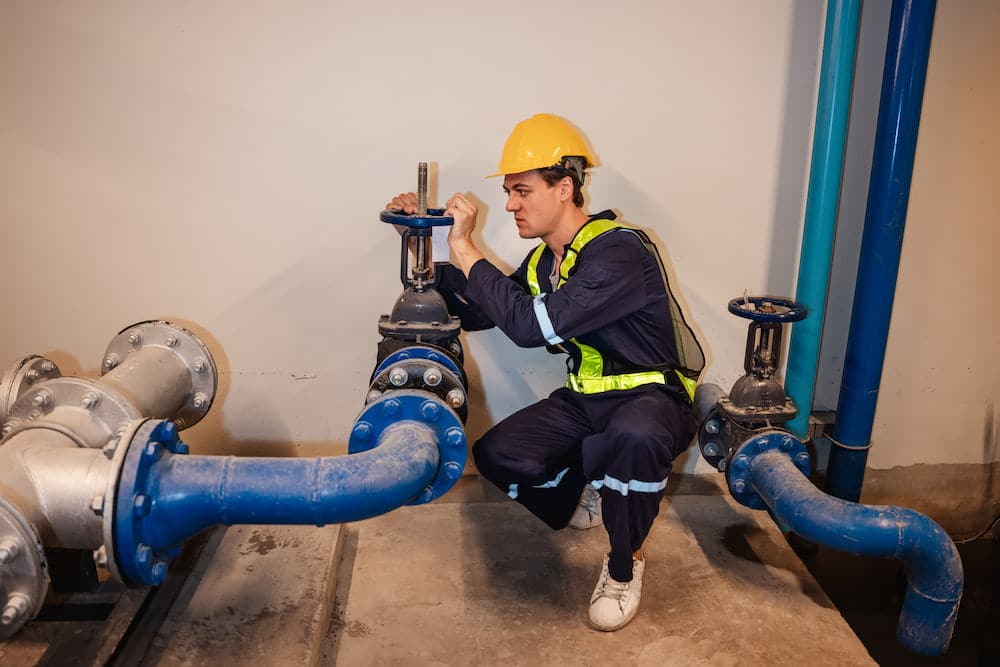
(154, 379)
(53, 482)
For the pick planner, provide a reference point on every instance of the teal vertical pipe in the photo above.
(907, 51)
(829, 139)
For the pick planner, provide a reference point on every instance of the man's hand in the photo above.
(405, 202)
(463, 250)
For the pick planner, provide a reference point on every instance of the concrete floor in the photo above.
(473, 579)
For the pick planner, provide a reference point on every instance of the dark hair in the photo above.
(572, 167)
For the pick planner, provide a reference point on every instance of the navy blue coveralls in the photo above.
(623, 442)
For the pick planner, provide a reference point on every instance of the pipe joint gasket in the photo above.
(738, 474)
(187, 346)
(425, 408)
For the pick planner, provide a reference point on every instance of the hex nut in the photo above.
(16, 606)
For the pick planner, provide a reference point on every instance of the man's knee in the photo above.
(486, 461)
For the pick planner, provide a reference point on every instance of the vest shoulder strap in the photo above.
(587, 233)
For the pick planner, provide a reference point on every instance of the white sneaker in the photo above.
(588, 510)
(614, 603)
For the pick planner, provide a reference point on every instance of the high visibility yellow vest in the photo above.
(590, 378)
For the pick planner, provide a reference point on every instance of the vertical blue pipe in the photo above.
(829, 138)
(910, 25)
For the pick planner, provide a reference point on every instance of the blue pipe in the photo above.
(829, 138)
(934, 568)
(165, 497)
(910, 26)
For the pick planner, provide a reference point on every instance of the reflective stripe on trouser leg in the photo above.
(534, 457)
(629, 461)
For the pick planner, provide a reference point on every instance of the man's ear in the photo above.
(566, 189)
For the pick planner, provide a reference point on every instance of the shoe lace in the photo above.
(616, 590)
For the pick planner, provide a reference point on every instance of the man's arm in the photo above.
(607, 286)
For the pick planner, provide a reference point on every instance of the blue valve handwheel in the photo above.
(750, 307)
(435, 218)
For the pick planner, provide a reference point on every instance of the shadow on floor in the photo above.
(869, 594)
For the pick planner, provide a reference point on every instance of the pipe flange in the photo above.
(20, 377)
(419, 352)
(738, 474)
(98, 410)
(712, 440)
(423, 407)
(424, 370)
(24, 573)
(186, 345)
(130, 558)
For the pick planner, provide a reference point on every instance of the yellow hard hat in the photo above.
(540, 142)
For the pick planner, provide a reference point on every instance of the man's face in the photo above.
(534, 203)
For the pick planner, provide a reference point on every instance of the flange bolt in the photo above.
(372, 395)
(140, 506)
(455, 436)
(430, 411)
(199, 366)
(159, 573)
(8, 551)
(16, 606)
(398, 376)
(432, 377)
(200, 400)
(712, 426)
(90, 400)
(739, 486)
(110, 361)
(171, 340)
(363, 431)
(135, 338)
(41, 399)
(456, 398)
(31, 375)
(711, 449)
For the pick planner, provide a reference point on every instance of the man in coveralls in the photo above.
(600, 449)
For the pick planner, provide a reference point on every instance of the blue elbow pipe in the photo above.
(165, 497)
(826, 171)
(934, 568)
(910, 26)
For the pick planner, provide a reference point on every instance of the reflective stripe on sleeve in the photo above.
(542, 315)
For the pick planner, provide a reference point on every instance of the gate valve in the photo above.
(757, 400)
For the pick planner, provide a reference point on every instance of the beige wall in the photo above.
(223, 164)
